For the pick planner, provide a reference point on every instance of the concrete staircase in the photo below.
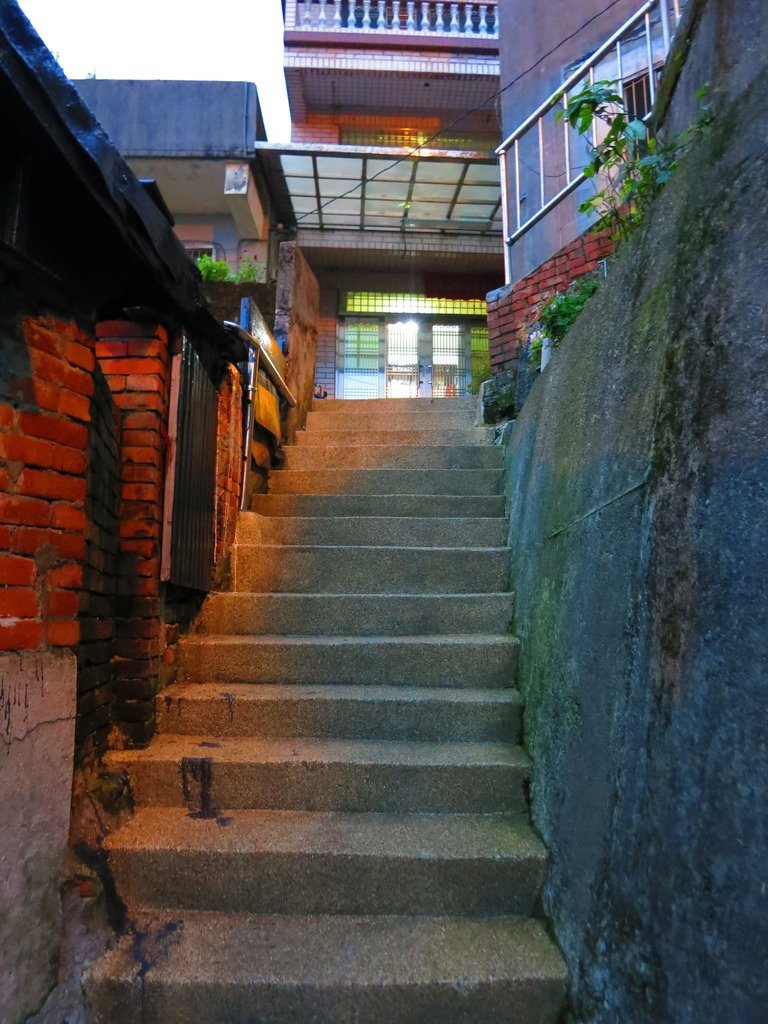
(331, 823)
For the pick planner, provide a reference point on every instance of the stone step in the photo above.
(478, 659)
(338, 434)
(340, 712)
(337, 569)
(329, 969)
(214, 776)
(390, 419)
(354, 614)
(408, 505)
(390, 531)
(437, 457)
(301, 862)
(386, 481)
(467, 404)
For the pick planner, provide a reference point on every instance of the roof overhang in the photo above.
(385, 189)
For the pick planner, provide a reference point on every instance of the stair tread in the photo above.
(298, 640)
(393, 494)
(370, 694)
(389, 548)
(398, 836)
(336, 951)
(400, 520)
(261, 750)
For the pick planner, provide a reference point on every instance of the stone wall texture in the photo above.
(639, 549)
(296, 328)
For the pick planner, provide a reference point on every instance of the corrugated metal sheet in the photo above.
(194, 497)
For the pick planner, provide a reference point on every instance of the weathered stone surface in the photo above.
(224, 297)
(37, 729)
(296, 318)
(639, 532)
(289, 862)
(498, 396)
(354, 712)
(332, 970)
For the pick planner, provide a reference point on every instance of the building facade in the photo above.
(391, 186)
(556, 57)
(195, 140)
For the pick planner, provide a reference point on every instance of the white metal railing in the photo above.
(547, 157)
(423, 17)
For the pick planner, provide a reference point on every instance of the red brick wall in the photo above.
(82, 463)
(44, 413)
(511, 308)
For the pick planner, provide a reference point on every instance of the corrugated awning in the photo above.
(382, 188)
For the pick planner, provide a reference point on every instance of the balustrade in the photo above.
(432, 17)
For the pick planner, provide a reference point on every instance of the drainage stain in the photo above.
(197, 786)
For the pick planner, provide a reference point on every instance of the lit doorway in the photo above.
(410, 358)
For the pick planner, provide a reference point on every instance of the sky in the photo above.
(233, 40)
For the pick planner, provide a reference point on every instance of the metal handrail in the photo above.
(559, 98)
(266, 359)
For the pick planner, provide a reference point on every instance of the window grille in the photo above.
(379, 302)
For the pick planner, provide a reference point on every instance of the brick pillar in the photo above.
(135, 361)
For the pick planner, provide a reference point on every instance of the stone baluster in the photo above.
(455, 27)
(381, 20)
(306, 21)
(337, 14)
(366, 14)
(321, 15)
(483, 19)
(395, 15)
(439, 22)
(424, 24)
(411, 23)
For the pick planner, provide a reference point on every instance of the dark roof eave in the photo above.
(150, 244)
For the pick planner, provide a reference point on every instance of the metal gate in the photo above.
(191, 491)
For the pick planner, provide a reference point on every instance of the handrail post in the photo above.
(505, 217)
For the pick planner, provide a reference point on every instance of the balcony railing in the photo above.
(542, 160)
(407, 17)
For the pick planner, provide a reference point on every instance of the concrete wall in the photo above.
(37, 727)
(156, 118)
(639, 546)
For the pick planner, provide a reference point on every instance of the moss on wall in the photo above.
(639, 545)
